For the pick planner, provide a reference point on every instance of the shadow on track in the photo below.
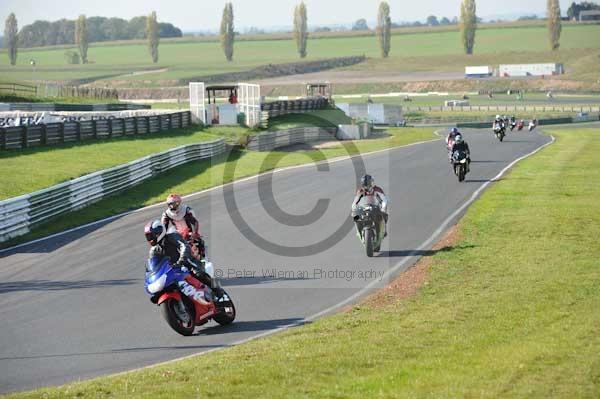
(112, 352)
(241, 281)
(416, 252)
(251, 326)
(49, 285)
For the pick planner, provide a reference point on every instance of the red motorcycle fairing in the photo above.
(200, 294)
(171, 294)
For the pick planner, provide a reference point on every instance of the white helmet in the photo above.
(497, 116)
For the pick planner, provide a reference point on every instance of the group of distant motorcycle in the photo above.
(501, 123)
(458, 149)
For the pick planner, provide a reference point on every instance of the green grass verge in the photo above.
(510, 310)
(32, 169)
(197, 176)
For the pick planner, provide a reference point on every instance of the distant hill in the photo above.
(100, 29)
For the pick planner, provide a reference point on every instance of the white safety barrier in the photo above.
(281, 138)
(19, 214)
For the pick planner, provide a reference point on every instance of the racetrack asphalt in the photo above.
(74, 307)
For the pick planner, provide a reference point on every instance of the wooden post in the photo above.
(78, 131)
(3, 138)
(94, 129)
(24, 137)
(135, 124)
(147, 124)
(61, 132)
(180, 120)
(44, 135)
(110, 127)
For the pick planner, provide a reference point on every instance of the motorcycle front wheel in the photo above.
(179, 315)
(462, 169)
(369, 242)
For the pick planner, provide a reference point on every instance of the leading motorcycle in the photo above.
(370, 226)
(184, 301)
(459, 164)
(499, 131)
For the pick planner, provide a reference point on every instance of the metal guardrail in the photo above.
(41, 107)
(17, 137)
(17, 88)
(541, 122)
(283, 107)
(281, 138)
(19, 214)
(503, 108)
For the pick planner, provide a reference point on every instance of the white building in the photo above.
(478, 71)
(511, 70)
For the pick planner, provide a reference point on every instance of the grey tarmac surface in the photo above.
(74, 306)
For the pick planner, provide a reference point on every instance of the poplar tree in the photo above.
(554, 24)
(152, 36)
(227, 31)
(81, 38)
(384, 28)
(300, 29)
(468, 25)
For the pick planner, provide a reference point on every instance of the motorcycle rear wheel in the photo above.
(224, 316)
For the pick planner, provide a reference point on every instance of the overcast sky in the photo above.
(198, 15)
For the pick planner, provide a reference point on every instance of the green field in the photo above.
(32, 169)
(529, 99)
(186, 60)
(509, 309)
(186, 179)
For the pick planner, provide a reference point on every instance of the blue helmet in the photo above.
(454, 130)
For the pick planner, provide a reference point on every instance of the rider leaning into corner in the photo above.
(182, 218)
(369, 189)
(172, 245)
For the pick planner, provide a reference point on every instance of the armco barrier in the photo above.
(17, 137)
(504, 108)
(271, 140)
(40, 107)
(19, 214)
(541, 122)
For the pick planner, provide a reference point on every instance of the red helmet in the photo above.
(173, 201)
(154, 232)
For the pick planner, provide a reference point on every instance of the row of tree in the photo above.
(468, 24)
(301, 29)
(100, 29)
(81, 35)
(85, 31)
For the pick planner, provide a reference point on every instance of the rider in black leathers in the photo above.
(177, 249)
(461, 145)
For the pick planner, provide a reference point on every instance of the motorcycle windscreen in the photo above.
(368, 200)
(156, 263)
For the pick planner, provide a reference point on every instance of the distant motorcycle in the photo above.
(499, 131)
(513, 125)
(459, 164)
(370, 226)
(520, 125)
(184, 301)
(532, 125)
